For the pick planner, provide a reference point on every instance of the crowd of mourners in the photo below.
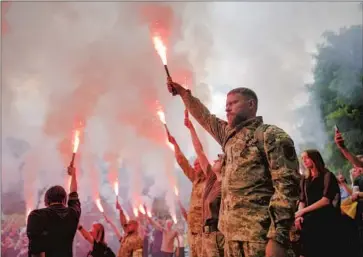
(253, 200)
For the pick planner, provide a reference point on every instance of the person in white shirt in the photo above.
(169, 236)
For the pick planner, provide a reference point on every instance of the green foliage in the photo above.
(338, 88)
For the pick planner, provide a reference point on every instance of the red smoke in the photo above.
(4, 24)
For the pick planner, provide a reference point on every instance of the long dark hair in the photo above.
(318, 161)
(100, 234)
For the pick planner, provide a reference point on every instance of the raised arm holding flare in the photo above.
(195, 215)
(260, 181)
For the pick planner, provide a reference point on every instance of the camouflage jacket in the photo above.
(259, 189)
(195, 214)
(130, 243)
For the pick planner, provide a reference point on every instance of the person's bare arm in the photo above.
(123, 219)
(113, 226)
(86, 235)
(198, 147)
(73, 187)
(73, 200)
(347, 188)
(343, 149)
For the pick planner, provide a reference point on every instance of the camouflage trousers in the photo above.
(213, 244)
(244, 249)
(195, 244)
(247, 249)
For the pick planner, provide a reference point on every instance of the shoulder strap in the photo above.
(260, 137)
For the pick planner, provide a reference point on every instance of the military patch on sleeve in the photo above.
(289, 151)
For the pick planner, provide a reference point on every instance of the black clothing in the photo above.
(359, 215)
(52, 229)
(100, 250)
(320, 235)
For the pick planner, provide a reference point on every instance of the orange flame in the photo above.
(174, 218)
(149, 214)
(115, 187)
(127, 216)
(176, 191)
(142, 209)
(136, 211)
(99, 205)
(76, 140)
(160, 48)
(161, 115)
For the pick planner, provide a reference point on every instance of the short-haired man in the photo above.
(260, 179)
(51, 230)
(131, 244)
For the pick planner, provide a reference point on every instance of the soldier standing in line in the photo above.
(212, 238)
(195, 215)
(260, 181)
(131, 242)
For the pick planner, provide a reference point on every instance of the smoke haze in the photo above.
(94, 62)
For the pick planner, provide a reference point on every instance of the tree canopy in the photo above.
(338, 92)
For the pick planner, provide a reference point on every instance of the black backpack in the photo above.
(101, 250)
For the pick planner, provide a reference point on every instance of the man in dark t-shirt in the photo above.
(51, 230)
(156, 244)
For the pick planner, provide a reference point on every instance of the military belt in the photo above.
(210, 228)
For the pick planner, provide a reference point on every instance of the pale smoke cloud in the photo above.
(268, 47)
(89, 62)
(69, 61)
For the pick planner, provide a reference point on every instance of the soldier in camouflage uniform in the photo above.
(212, 238)
(260, 181)
(196, 176)
(131, 243)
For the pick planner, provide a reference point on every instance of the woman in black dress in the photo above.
(319, 213)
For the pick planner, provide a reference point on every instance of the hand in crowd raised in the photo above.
(187, 121)
(71, 171)
(171, 139)
(173, 85)
(338, 138)
(118, 206)
(106, 218)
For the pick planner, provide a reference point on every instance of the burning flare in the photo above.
(127, 216)
(136, 211)
(115, 187)
(99, 205)
(161, 115)
(76, 140)
(149, 214)
(176, 191)
(174, 218)
(142, 209)
(160, 48)
(27, 215)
